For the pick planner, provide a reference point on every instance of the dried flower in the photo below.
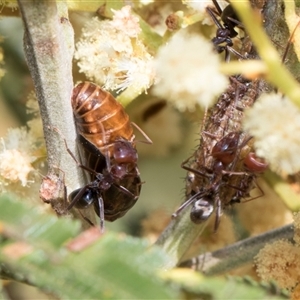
(188, 70)
(110, 53)
(279, 261)
(274, 121)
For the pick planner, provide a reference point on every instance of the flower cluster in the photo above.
(277, 134)
(15, 162)
(188, 77)
(13, 4)
(20, 148)
(279, 261)
(110, 53)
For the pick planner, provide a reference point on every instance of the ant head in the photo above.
(124, 152)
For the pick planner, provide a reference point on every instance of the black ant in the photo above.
(224, 154)
(225, 32)
(115, 182)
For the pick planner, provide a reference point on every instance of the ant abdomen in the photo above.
(255, 164)
(99, 117)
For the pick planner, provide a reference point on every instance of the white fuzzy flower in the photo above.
(21, 148)
(126, 22)
(18, 138)
(109, 54)
(200, 7)
(274, 121)
(136, 72)
(15, 166)
(188, 72)
(16, 156)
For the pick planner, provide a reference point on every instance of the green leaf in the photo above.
(114, 266)
(30, 224)
(200, 287)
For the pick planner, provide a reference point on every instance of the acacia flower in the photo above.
(279, 261)
(126, 22)
(200, 7)
(22, 147)
(110, 53)
(188, 72)
(274, 121)
(15, 160)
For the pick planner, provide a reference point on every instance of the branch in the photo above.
(49, 47)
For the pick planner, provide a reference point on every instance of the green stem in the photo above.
(277, 73)
(177, 238)
(238, 254)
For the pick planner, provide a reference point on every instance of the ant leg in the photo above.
(217, 6)
(229, 172)
(148, 140)
(107, 152)
(186, 203)
(216, 21)
(218, 212)
(236, 53)
(73, 156)
(125, 191)
(85, 218)
(187, 168)
(101, 213)
(290, 41)
(260, 189)
(227, 54)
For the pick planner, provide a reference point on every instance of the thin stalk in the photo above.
(238, 254)
(277, 73)
(177, 238)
